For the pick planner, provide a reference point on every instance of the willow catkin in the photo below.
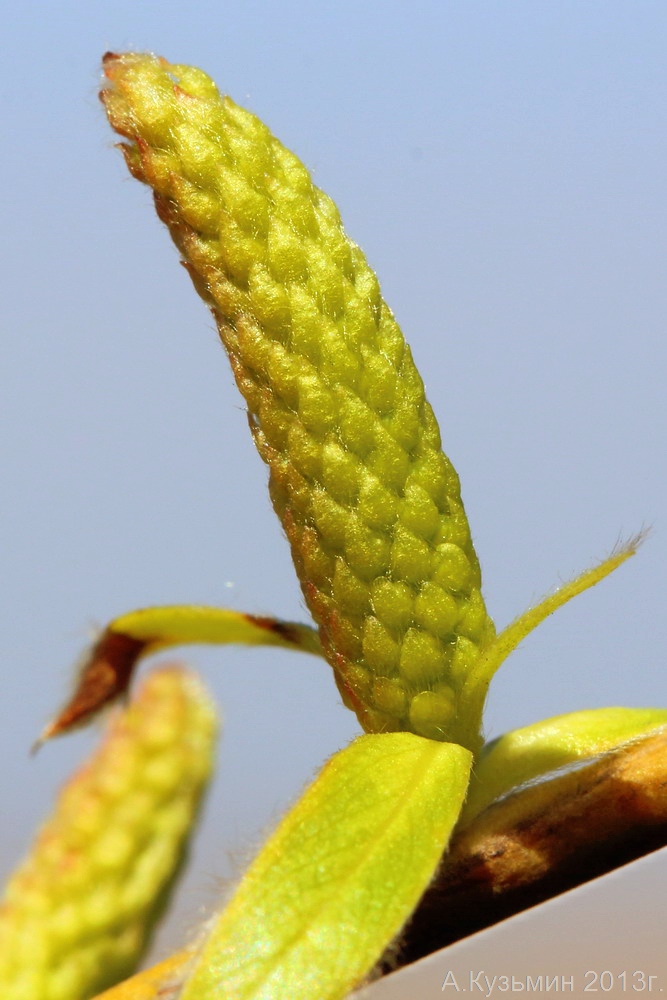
(370, 504)
(78, 911)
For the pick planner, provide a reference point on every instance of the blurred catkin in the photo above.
(78, 912)
(370, 504)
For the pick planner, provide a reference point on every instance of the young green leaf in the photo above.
(107, 668)
(340, 876)
(524, 754)
(545, 839)
(498, 649)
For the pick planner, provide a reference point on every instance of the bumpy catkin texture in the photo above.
(371, 506)
(77, 913)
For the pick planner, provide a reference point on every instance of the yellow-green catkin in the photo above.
(77, 913)
(369, 503)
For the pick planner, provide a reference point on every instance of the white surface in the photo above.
(610, 926)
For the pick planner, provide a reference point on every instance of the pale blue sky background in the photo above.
(503, 167)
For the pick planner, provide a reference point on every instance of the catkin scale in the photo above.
(370, 504)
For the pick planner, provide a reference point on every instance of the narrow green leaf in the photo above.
(108, 666)
(340, 876)
(498, 649)
(525, 754)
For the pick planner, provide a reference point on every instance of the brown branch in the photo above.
(542, 841)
